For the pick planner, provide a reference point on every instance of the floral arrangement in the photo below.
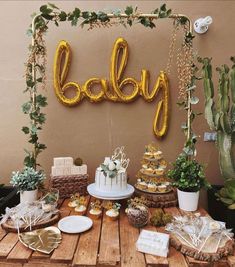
(118, 161)
(28, 179)
(110, 167)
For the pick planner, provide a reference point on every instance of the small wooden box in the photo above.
(70, 184)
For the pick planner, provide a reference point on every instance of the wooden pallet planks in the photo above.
(7, 244)
(88, 246)
(19, 253)
(130, 257)
(109, 252)
(65, 252)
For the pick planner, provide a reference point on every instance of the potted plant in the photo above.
(220, 117)
(188, 177)
(27, 181)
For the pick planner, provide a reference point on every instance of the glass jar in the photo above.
(138, 215)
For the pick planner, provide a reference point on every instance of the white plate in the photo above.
(110, 195)
(75, 224)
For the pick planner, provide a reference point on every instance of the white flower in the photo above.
(106, 160)
(112, 166)
(118, 164)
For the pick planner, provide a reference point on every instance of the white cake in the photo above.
(111, 176)
(106, 184)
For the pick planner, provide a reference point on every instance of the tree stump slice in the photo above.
(10, 227)
(156, 200)
(225, 249)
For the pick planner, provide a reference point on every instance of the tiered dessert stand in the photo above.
(151, 181)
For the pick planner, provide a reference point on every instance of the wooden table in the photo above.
(108, 243)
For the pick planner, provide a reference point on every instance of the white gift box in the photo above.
(63, 161)
(155, 243)
(75, 170)
(58, 162)
(57, 171)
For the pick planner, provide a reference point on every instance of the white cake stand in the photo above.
(110, 195)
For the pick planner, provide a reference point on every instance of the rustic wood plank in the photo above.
(65, 251)
(176, 259)
(2, 233)
(19, 253)
(152, 260)
(42, 264)
(41, 256)
(7, 244)
(88, 245)
(130, 257)
(109, 253)
(6, 264)
(231, 261)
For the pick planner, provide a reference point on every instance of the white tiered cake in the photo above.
(111, 178)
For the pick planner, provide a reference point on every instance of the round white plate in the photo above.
(110, 195)
(75, 224)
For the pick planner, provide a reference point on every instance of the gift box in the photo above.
(155, 243)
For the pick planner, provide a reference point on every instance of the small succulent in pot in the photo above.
(28, 179)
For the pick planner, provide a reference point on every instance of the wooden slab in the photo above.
(88, 246)
(7, 244)
(109, 253)
(130, 257)
(158, 200)
(10, 227)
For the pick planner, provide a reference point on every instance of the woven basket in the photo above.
(70, 184)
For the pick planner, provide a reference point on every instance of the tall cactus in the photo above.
(220, 117)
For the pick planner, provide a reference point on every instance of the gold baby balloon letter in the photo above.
(112, 90)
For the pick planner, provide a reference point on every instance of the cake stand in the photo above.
(110, 195)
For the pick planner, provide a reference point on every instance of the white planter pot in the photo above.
(188, 201)
(28, 196)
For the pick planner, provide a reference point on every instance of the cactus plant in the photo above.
(220, 117)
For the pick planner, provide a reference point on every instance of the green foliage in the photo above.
(187, 174)
(28, 179)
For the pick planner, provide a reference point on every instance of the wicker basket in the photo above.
(70, 184)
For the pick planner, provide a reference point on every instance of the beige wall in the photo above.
(92, 131)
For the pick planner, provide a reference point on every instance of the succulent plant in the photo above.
(78, 162)
(28, 179)
(220, 117)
